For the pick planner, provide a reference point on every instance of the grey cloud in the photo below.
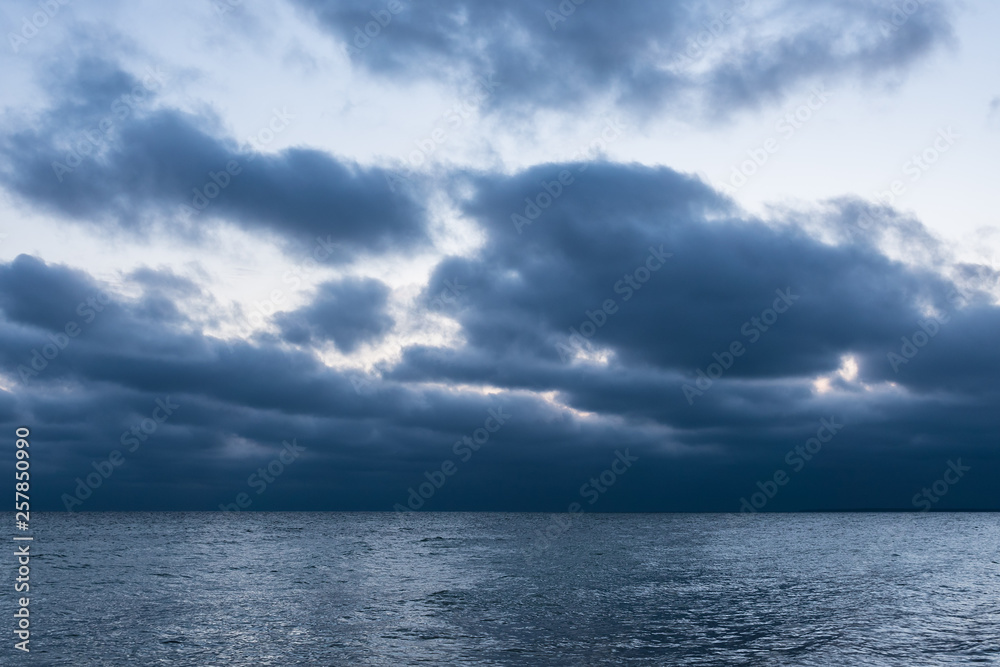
(714, 58)
(147, 166)
(348, 312)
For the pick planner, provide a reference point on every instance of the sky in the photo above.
(527, 256)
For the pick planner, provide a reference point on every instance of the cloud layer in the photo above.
(712, 58)
(601, 307)
(103, 155)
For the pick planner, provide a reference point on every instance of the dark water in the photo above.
(477, 589)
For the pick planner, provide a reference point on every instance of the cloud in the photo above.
(715, 58)
(599, 294)
(126, 355)
(523, 293)
(561, 305)
(33, 294)
(103, 156)
(348, 312)
(534, 282)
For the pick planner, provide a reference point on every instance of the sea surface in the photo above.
(487, 589)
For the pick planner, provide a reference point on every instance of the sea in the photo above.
(316, 588)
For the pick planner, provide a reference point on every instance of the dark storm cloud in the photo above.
(536, 280)
(348, 312)
(717, 56)
(558, 250)
(83, 392)
(603, 287)
(368, 445)
(34, 294)
(105, 154)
